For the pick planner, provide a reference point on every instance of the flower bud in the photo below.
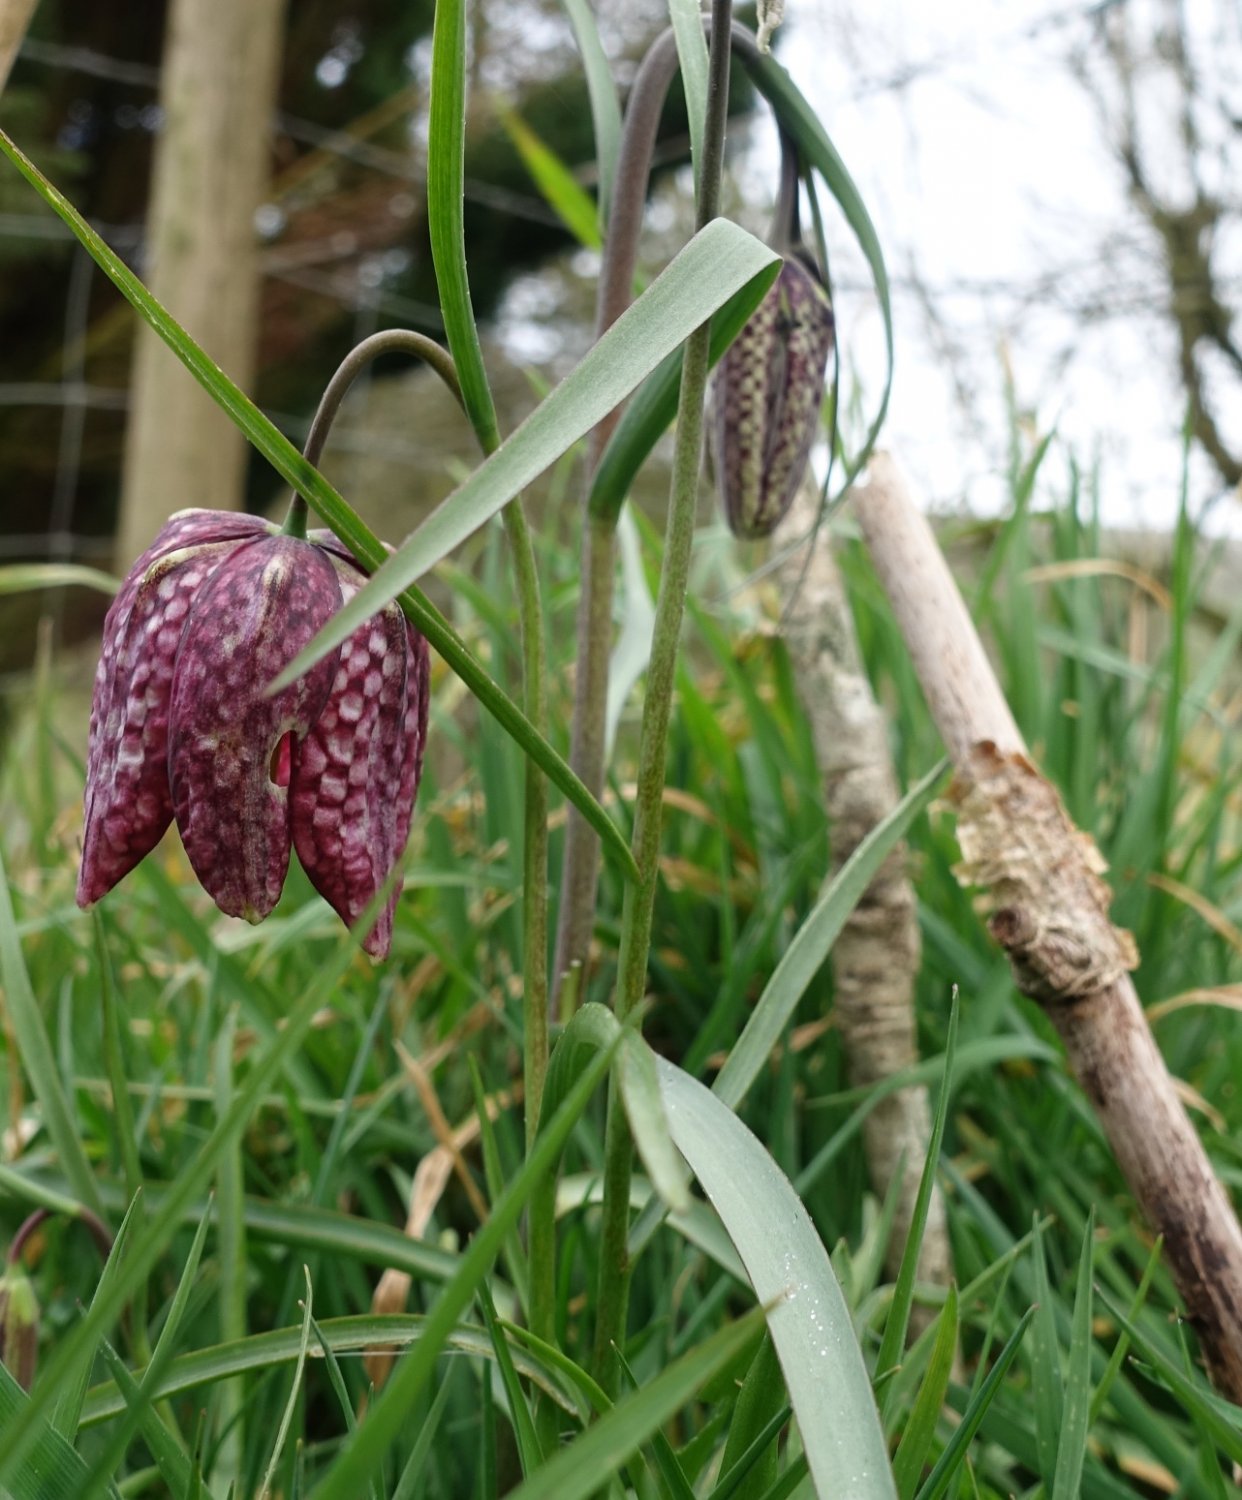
(769, 389)
(19, 1325)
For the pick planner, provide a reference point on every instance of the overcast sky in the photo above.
(1001, 209)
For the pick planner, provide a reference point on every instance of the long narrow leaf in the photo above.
(53, 1469)
(282, 1432)
(719, 261)
(171, 1459)
(363, 1453)
(687, 21)
(788, 1267)
(35, 1050)
(20, 578)
(309, 483)
(446, 159)
(920, 1428)
(561, 190)
(202, 1368)
(149, 1244)
(802, 959)
(595, 1026)
(67, 1414)
(1045, 1367)
(605, 108)
(140, 1398)
(954, 1455)
(1076, 1412)
(898, 1322)
(577, 1471)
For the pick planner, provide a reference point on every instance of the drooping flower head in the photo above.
(181, 725)
(769, 389)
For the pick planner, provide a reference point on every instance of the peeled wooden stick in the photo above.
(876, 957)
(1048, 908)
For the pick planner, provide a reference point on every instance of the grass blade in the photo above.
(893, 1344)
(578, 1471)
(173, 1462)
(916, 1440)
(14, 1441)
(349, 1336)
(1122, 1347)
(1076, 1409)
(282, 1432)
(53, 1470)
(1045, 1367)
(719, 261)
(605, 108)
(309, 483)
(802, 959)
(68, 1410)
(523, 1423)
(561, 190)
(411, 1475)
(954, 1455)
(171, 1458)
(35, 1050)
(363, 1453)
(748, 1465)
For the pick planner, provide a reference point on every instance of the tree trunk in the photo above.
(1040, 879)
(211, 169)
(876, 958)
(14, 19)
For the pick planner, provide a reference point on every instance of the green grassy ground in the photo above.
(164, 1018)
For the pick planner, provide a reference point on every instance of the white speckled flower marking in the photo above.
(769, 387)
(180, 726)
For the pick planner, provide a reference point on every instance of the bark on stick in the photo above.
(876, 958)
(1040, 879)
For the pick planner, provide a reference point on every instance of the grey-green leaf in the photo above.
(719, 261)
(827, 1381)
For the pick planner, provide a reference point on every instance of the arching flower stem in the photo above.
(387, 341)
(580, 874)
(639, 905)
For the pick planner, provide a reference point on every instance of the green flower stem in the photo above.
(535, 853)
(445, 213)
(388, 341)
(580, 875)
(587, 747)
(657, 710)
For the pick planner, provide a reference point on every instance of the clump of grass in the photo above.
(320, 1172)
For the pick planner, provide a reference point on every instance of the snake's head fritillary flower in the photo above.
(181, 725)
(769, 389)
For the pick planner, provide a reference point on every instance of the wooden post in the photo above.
(211, 169)
(1048, 908)
(15, 17)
